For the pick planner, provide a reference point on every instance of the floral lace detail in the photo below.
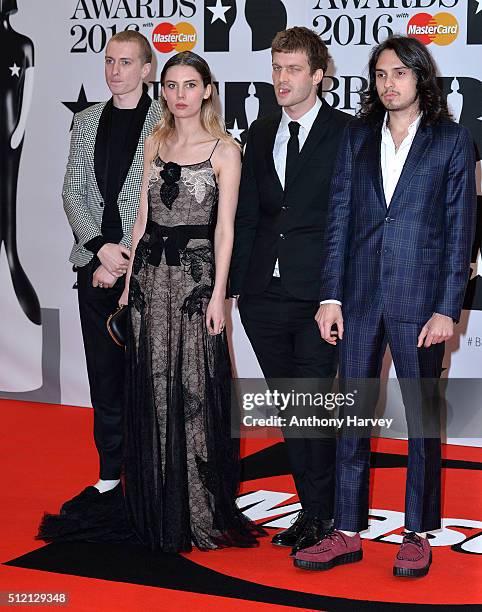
(141, 256)
(154, 174)
(192, 404)
(136, 297)
(197, 181)
(193, 304)
(170, 174)
(193, 261)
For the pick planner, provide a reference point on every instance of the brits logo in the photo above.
(441, 29)
(167, 37)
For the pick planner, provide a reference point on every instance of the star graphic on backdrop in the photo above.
(15, 70)
(477, 266)
(235, 131)
(219, 11)
(80, 104)
(479, 7)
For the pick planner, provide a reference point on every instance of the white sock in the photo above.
(422, 534)
(106, 485)
(348, 533)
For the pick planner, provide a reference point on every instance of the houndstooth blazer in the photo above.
(83, 202)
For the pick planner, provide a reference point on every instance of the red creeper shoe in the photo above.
(414, 557)
(336, 548)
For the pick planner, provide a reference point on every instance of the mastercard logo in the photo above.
(441, 29)
(167, 37)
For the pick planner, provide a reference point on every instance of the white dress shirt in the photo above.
(281, 144)
(392, 162)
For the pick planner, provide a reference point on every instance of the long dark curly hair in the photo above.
(413, 54)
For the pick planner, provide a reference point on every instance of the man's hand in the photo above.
(103, 279)
(327, 316)
(111, 256)
(438, 328)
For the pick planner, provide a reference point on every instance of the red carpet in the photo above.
(47, 455)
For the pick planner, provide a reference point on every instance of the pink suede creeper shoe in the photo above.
(335, 548)
(414, 557)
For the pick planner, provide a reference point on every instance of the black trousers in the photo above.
(105, 368)
(287, 342)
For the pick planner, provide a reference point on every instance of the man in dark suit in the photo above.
(397, 260)
(276, 258)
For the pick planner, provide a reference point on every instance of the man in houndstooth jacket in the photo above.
(101, 197)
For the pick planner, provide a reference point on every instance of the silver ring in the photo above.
(101, 285)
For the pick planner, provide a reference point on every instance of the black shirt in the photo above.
(111, 222)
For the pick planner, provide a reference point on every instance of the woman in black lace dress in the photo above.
(181, 464)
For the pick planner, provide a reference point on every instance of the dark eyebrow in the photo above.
(186, 81)
(396, 68)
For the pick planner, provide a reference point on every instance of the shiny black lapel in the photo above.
(270, 136)
(316, 134)
(102, 147)
(133, 135)
(374, 168)
(417, 152)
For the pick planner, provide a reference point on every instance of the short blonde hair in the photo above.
(135, 37)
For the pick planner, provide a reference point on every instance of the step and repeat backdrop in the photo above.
(52, 67)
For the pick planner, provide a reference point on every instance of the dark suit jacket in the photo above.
(416, 252)
(288, 225)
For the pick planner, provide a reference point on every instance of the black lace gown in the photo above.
(181, 464)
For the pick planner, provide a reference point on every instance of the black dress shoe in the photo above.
(290, 536)
(313, 531)
(88, 496)
(90, 516)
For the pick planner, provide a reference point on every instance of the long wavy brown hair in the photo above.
(211, 120)
(413, 54)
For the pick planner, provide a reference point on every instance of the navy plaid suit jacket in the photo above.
(416, 251)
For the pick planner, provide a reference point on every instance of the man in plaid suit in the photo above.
(395, 267)
(101, 198)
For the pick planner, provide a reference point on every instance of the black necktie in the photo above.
(292, 151)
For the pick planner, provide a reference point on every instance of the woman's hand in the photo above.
(215, 316)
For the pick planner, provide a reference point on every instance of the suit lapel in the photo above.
(133, 135)
(101, 151)
(374, 169)
(316, 134)
(271, 130)
(415, 157)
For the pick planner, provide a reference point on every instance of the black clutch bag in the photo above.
(117, 326)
